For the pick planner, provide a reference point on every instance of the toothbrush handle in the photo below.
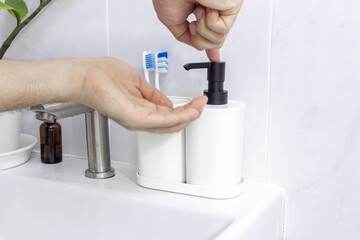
(157, 84)
(147, 76)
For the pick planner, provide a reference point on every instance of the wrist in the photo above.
(79, 80)
(90, 75)
(67, 78)
(68, 75)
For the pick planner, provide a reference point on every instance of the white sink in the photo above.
(41, 201)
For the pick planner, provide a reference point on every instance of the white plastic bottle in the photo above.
(214, 142)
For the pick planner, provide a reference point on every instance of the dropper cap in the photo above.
(216, 77)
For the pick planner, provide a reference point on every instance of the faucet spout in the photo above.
(48, 112)
(97, 134)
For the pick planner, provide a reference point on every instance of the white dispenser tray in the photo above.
(191, 189)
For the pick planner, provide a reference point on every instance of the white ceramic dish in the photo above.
(19, 156)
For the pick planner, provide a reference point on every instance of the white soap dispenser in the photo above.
(214, 142)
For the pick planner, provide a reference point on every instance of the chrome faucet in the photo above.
(97, 134)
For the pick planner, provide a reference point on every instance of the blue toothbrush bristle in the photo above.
(163, 54)
(162, 62)
(149, 61)
(163, 69)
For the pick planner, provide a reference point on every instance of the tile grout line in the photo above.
(268, 90)
(108, 48)
(108, 27)
(284, 236)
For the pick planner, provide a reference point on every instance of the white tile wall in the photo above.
(312, 134)
(63, 29)
(246, 54)
(314, 130)
(67, 29)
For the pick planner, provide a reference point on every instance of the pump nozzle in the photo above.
(189, 66)
(216, 77)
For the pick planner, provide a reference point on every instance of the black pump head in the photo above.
(216, 77)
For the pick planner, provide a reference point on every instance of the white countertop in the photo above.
(261, 205)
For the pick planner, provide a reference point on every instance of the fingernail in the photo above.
(192, 28)
(198, 14)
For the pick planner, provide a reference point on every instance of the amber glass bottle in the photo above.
(50, 140)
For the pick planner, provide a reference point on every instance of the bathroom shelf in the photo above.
(191, 189)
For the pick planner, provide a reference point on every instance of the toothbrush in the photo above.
(148, 63)
(161, 66)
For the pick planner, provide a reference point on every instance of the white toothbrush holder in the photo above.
(194, 162)
(213, 147)
(162, 156)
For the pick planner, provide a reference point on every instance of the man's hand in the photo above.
(117, 90)
(108, 85)
(214, 18)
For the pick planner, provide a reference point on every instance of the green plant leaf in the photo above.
(12, 13)
(4, 6)
(19, 8)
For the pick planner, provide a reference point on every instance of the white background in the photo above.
(294, 63)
